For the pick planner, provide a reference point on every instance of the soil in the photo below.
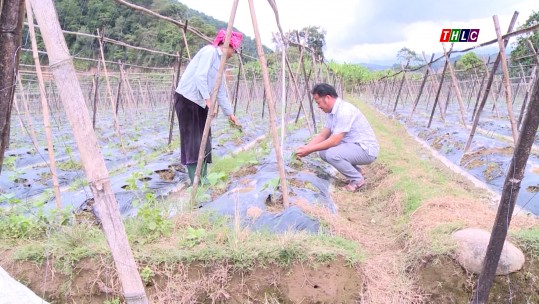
(166, 175)
(93, 281)
(445, 281)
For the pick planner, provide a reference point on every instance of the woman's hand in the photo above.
(233, 119)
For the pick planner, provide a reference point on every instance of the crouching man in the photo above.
(347, 139)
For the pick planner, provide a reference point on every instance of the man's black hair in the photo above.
(324, 89)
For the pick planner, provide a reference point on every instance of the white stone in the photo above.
(471, 248)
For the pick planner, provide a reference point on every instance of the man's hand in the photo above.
(303, 151)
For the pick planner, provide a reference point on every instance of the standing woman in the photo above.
(192, 99)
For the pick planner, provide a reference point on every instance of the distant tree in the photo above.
(470, 63)
(522, 48)
(312, 36)
(405, 54)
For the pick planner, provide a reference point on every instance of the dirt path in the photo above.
(375, 221)
(382, 217)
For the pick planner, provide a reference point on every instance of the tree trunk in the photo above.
(11, 18)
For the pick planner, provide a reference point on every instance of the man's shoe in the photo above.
(354, 186)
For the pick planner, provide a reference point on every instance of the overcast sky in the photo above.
(373, 31)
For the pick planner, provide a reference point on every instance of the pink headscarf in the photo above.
(235, 39)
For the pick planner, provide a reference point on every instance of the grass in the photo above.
(416, 176)
(529, 240)
(201, 238)
(233, 163)
(69, 165)
(440, 237)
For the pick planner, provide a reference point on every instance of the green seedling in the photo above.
(146, 275)
(235, 126)
(215, 177)
(272, 184)
(193, 237)
(295, 161)
(9, 162)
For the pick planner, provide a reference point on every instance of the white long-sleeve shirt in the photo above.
(198, 79)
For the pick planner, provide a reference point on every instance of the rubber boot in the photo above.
(191, 169)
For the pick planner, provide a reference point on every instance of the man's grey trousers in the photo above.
(344, 157)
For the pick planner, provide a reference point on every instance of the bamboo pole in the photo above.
(532, 48)
(129, 93)
(439, 91)
(298, 97)
(105, 206)
(528, 90)
(507, 85)
(487, 90)
(213, 104)
(448, 99)
(520, 80)
(421, 87)
(456, 89)
(510, 192)
(96, 79)
(271, 102)
(178, 23)
(109, 90)
(119, 93)
(236, 92)
(404, 69)
(283, 92)
(474, 81)
(481, 88)
(302, 63)
(120, 43)
(45, 108)
(30, 125)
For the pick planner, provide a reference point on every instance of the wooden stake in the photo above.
(213, 104)
(236, 93)
(44, 106)
(528, 90)
(29, 125)
(457, 90)
(119, 93)
(421, 87)
(402, 83)
(96, 80)
(507, 85)
(510, 192)
(487, 90)
(105, 206)
(265, 76)
(439, 91)
(109, 90)
(480, 88)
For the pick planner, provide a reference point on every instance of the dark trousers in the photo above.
(191, 119)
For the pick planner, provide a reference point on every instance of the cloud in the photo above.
(388, 21)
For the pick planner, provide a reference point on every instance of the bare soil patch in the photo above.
(94, 281)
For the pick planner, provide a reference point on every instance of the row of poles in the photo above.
(523, 130)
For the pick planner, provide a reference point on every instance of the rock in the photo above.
(471, 248)
(11, 291)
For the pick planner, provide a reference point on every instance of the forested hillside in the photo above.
(135, 28)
